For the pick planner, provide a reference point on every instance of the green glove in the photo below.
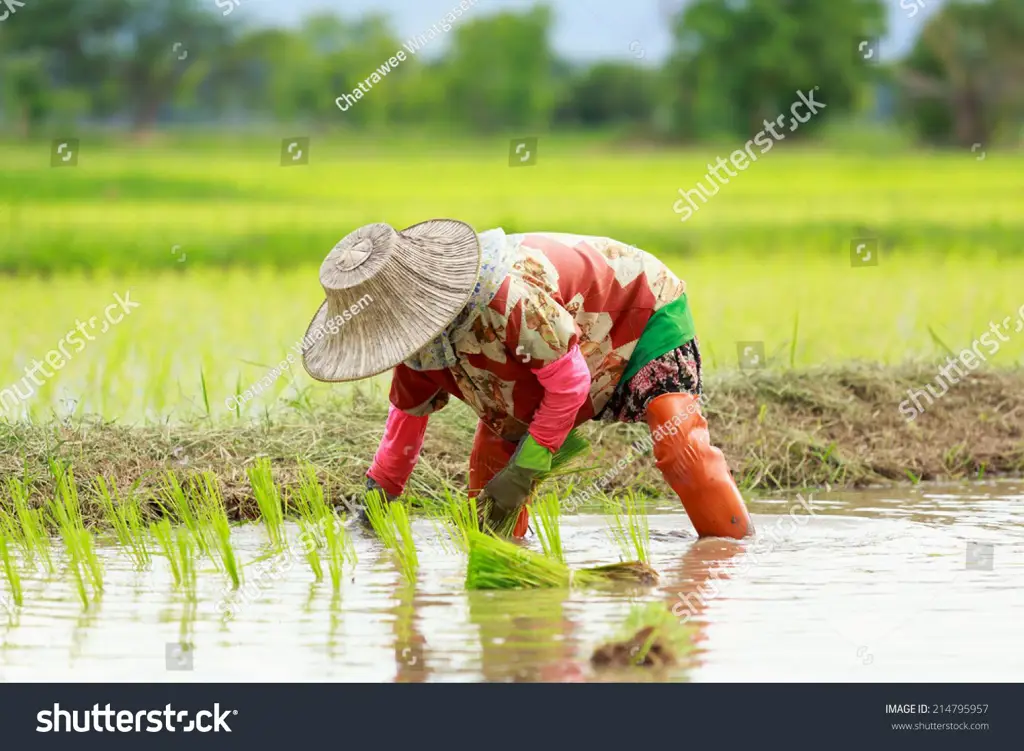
(511, 487)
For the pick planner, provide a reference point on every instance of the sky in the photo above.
(585, 29)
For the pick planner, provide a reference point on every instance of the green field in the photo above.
(220, 245)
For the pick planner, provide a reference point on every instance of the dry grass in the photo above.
(779, 430)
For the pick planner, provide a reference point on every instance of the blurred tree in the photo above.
(499, 71)
(64, 45)
(147, 53)
(964, 79)
(609, 94)
(737, 63)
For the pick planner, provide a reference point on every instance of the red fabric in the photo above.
(566, 384)
(398, 451)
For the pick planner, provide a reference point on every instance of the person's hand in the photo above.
(509, 490)
(372, 486)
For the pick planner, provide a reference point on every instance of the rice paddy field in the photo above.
(182, 573)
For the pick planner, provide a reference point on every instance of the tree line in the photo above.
(733, 65)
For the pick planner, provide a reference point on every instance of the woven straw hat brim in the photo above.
(409, 288)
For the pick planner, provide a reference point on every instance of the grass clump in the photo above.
(314, 515)
(651, 637)
(268, 498)
(164, 536)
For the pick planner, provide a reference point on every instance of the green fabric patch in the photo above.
(669, 327)
(531, 455)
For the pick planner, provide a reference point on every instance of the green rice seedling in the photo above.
(10, 565)
(181, 505)
(574, 446)
(213, 516)
(268, 498)
(496, 563)
(547, 514)
(314, 513)
(161, 531)
(125, 517)
(186, 550)
(405, 551)
(453, 518)
(380, 520)
(651, 637)
(390, 522)
(309, 499)
(629, 529)
(34, 537)
(339, 548)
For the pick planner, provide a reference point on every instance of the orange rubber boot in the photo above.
(489, 456)
(694, 469)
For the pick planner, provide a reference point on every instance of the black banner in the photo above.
(251, 716)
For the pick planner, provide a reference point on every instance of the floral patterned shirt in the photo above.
(562, 290)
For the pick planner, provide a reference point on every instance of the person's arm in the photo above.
(414, 396)
(546, 339)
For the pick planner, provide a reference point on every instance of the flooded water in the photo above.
(909, 585)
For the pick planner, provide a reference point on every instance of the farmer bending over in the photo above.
(537, 333)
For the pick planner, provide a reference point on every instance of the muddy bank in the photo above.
(780, 430)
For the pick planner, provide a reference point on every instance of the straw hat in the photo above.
(388, 293)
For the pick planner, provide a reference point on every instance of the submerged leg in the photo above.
(694, 469)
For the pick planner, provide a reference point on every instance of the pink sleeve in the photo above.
(398, 451)
(566, 383)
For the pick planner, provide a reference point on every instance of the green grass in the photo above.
(391, 523)
(768, 259)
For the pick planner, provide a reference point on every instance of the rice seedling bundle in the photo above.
(629, 528)
(268, 498)
(213, 516)
(182, 506)
(390, 522)
(650, 637)
(164, 538)
(10, 565)
(66, 514)
(547, 514)
(574, 446)
(125, 517)
(28, 527)
(339, 548)
(453, 518)
(496, 563)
